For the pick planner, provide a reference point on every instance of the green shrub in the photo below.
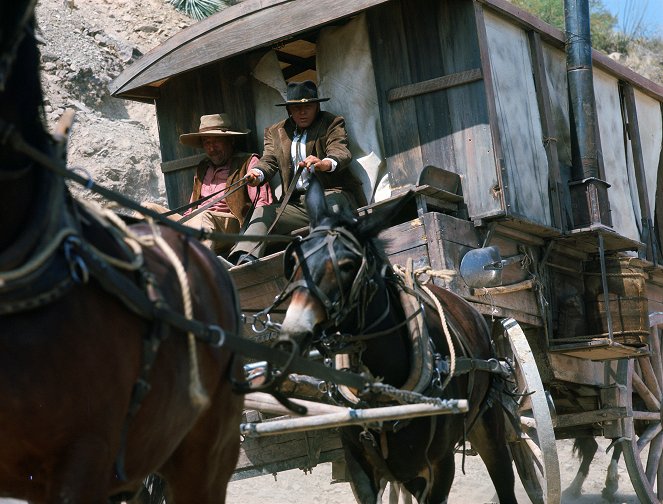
(200, 9)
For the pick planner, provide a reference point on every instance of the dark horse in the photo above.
(96, 394)
(345, 293)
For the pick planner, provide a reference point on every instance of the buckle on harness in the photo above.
(217, 336)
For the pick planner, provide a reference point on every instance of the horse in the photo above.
(103, 376)
(585, 449)
(345, 298)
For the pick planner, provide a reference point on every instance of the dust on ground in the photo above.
(473, 487)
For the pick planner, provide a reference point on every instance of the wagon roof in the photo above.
(260, 23)
(237, 29)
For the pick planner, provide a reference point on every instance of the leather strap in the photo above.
(213, 201)
(284, 202)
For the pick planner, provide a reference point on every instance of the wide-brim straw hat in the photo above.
(219, 125)
(301, 92)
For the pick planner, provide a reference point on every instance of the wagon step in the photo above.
(596, 349)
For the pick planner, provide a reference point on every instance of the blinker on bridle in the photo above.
(336, 310)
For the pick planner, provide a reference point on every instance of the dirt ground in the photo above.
(473, 487)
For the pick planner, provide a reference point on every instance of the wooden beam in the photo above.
(437, 84)
(548, 129)
(588, 417)
(354, 417)
(182, 163)
(266, 403)
(647, 234)
(493, 116)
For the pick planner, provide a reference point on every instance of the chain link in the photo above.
(406, 396)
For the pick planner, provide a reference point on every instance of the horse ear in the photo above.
(370, 225)
(316, 205)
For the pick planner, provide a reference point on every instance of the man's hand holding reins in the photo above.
(313, 163)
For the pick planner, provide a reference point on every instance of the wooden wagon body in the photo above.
(479, 90)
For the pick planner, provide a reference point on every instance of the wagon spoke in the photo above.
(650, 433)
(654, 457)
(643, 430)
(527, 422)
(533, 448)
(656, 357)
(649, 377)
(645, 394)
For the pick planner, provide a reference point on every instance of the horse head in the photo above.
(336, 271)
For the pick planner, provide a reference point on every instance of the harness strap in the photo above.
(140, 390)
(284, 203)
(242, 182)
(202, 199)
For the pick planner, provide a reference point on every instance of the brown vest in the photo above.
(238, 202)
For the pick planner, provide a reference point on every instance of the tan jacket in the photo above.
(238, 202)
(326, 137)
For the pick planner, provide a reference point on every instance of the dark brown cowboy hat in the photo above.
(212, 125)
(301, 92)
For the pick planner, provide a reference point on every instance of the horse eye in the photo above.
(346, 265)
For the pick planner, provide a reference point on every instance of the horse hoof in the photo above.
(571, 493)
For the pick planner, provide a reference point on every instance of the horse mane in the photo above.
(21, 95)
(364, 229)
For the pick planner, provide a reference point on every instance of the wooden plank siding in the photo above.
(390, 59)
(555, 187)
(650, 131)
(556, 39)
(633, 129)
(422, 26)
(492, 135)
(519, 124)
(221, 87)
(441, 125)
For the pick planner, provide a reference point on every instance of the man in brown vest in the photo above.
(221, 168)
(309, 138)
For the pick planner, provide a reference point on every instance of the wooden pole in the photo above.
(352, 417)
(267, 404)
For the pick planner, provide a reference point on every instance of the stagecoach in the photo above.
(531, 174)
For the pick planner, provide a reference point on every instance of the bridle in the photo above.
(363, 286)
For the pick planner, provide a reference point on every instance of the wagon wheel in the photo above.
(529, 425)
(643, 443)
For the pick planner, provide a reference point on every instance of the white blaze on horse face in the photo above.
(303, 314)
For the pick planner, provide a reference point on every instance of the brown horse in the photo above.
(96, 393)
(346, 299)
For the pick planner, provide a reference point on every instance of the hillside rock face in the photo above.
(86, 44)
